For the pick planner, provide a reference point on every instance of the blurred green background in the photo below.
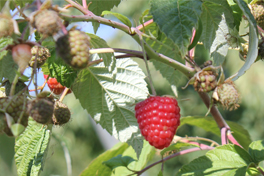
(81, 138)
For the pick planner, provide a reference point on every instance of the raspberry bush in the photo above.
(120, 85)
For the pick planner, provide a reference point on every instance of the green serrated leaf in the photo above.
(60, 70)
(97, 42)
(96, 167)
(118, 161)
(256, 150)
(228, 160)
(212, 13)
(177, 146)
(177, 19)
(162, 45)
(119, 16)
(237, 13)
(8, 67)
(147, 154)
(19, 3)
(31, 149)
(208, 124)
(4, 41)
(253, 39)
(22, 26)
(111, 103)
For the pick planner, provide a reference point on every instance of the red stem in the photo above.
(84, 4)
(223, 135)
(174, 155)
(232, 139)
(140, 27)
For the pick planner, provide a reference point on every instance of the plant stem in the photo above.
(201, 139)
(112, 50)
(214, 111)
(140, 27)
(64, 93)
(224, 135)
(84, 3)
(79, 7)
(260, 170)
(174, 155)
(13, 86)
(94, 18)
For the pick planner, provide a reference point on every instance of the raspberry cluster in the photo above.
(42, 55)
(74, 48)
(158, 119)
(205, 81)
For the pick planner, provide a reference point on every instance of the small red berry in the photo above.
(158, 119)
(55, 86)
(21, 54)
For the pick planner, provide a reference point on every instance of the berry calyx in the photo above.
(74, 48)
(55, 86)
(21, 54)
(158, 119)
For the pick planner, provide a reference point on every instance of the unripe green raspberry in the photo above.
(227, 95)
(61, 114)
(74, 48)
(42, 55)
(41, 110)
(6, 26)
(47, 22)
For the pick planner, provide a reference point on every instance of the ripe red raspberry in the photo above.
(55, 86)
(158, 119)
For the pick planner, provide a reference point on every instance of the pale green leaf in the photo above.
(146, 155)
(118, 161)
(212, 14)
(97, 42)
(209, 124)
(256, 150)
(96, 167)
(253, 39)
(220, 46)
(119, 16)
(111, 104)
(228, 160)
(31, 149)
(8, 67)
(177, 18)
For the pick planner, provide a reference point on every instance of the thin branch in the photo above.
(174, 155)
(214, 111)
(84, 3)
(260, 170)
(140, 27)
(94, 18)
(82, 9)
(64, 94)
(199, 138)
